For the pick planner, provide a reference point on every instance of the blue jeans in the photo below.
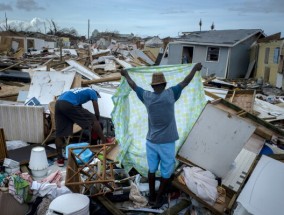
(163, 154)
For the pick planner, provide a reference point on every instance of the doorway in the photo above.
(187, 54)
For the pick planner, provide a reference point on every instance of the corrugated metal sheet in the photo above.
(24, 123)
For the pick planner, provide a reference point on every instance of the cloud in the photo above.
(265, 6)
(5, 7)
(174, 11)
(28, 5)
(35, 22)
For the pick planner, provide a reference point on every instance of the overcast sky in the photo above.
(148, 17)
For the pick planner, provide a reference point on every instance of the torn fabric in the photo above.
(130, 116)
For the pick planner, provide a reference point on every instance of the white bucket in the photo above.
(38, 161)
(70, 204)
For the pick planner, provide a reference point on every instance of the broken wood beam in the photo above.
(9, 95)
(101, 80)
(9, 67)
(57, 64)
(109, 205)
(212, 95)
(178, 207)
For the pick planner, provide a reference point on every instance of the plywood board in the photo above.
(240, 171)
(46, 85)
(215, 140)
(86, 72)
(263, 193)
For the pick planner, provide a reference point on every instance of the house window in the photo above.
(276, 55)
(213, 53)
(266, 55)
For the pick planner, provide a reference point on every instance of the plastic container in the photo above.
(70, 204)
(38, 161)
(85, 156)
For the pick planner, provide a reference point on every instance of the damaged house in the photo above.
(268, 54)
(224, 53)
(14, 41)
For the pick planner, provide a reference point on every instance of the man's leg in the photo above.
(59, 146)
(153, 163)
(64, 127)
(167, 165)
(98, 129)
(152, 191)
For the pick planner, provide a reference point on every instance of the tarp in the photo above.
(130, 116)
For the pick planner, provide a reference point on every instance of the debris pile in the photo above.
(234, 129)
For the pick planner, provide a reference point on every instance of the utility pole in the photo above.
(200, 24)
(88, 29)
(44, 28)
(6, 22)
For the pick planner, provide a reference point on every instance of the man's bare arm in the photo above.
(131, 83)
(96, 109)
(190, 76)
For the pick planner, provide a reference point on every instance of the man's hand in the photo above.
(123, 72)
(197, 67)
(131, 83)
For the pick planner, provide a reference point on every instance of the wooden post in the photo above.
(101, 80)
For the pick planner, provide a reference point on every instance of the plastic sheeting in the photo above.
(130, 115)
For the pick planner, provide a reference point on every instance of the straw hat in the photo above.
(158, 78)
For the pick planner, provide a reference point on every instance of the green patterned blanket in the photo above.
(130, 116)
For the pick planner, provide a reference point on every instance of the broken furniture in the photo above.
(76, 128)
(90, 178)
(216, 150)
(245, 162)
(21, 122)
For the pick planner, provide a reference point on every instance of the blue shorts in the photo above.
(163, 154)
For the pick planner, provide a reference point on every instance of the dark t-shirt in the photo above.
(161, 113)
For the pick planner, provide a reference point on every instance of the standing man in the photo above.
(69, 110)
(162, 129)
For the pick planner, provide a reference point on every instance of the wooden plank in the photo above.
(212, 95)
(218, 209)
(9, 67)
(3, 148)
(223, 104)
(83, 70)
(101, 80)
(77, 82)
(178, 207)
(109, 205)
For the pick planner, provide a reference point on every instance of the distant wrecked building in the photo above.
(267, 54)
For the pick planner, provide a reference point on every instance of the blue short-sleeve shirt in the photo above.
(79, 96)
